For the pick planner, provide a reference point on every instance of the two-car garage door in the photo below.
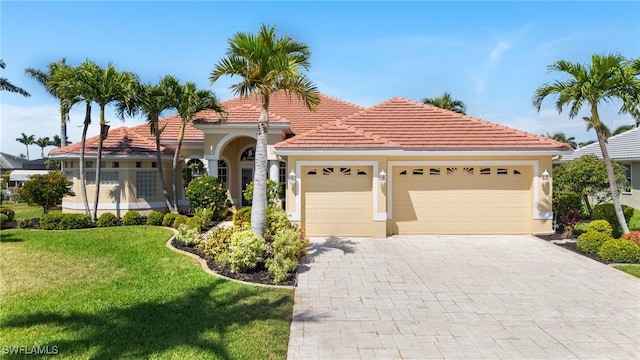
(461, 200)
(447, 199)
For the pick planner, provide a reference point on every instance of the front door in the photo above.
(245, 178)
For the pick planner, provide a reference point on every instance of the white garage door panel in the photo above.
(338, 201)
(461, 200)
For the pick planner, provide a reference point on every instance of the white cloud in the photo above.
(498, 51)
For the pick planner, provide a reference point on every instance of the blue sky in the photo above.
(491, 55)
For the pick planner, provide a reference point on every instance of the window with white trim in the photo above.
(223, 171)
(146, 184)
(90, 177)
(627, 189)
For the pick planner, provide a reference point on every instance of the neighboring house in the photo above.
(20, 169)
(625, 149)
(10, 162)
(400, 167)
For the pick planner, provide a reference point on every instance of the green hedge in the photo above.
(58, 221)
(619, 251)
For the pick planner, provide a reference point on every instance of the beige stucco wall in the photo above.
(119, 199)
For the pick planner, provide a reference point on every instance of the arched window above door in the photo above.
(249, 154)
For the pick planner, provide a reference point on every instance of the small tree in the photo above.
(587, 177)
(46, 190)
(207, 192)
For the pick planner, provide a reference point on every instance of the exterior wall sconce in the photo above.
(291, 178)
(382, 177)
(545, 177)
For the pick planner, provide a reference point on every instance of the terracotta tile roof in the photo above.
(172, 126)
(121, 141)
(243, 113)
(417, 126)
(293, 110)
(337, 134)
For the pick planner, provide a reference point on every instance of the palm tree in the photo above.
(42, 143)
(44, 78)
(447, 102)
(561, 137)
(152, 101)
(619, 130)
(608, 77)
(190, 100)
(26, 140)
(266, 64)
(56, 141)
(106, 86)
(5, 85)
(68, 84)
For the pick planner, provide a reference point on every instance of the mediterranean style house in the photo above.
(399, 167)
(625, 149)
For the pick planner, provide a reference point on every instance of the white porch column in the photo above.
(274, 170)
(213, 168)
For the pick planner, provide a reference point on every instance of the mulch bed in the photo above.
(257, 275)
(569, 245)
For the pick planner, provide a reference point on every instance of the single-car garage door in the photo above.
(461, 199)
(337, 200)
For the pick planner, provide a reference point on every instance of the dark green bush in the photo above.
(208, 192)
(11, 215)
(591, 241)
(601, 226)
(274, 192)
(607, 212)
(4, 219)
(26, 223)
(58, 221)
(132, 218)
(155, 218)
(563, 203)
(107, 219)
(242, 217)
(619, 251)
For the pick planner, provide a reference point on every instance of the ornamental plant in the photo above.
(274, 192)
(619, 251)
(208, 192)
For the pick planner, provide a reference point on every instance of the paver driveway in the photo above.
(461, 297)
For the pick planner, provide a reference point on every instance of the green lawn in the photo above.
(24, 211)
(634, 222)
(633, 269)
(120, 293)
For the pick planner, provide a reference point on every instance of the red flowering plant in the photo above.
(569, 221)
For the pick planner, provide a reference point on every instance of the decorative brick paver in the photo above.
(461, 297)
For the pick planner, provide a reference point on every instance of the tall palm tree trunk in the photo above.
(602, 141)
(163, 183)
(83, 183)
(103, 135)
(174, 170)
(63, 127)
(259, 204)
(27, 145)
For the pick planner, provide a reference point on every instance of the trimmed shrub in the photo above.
(607, 212)
(619, 251)
(132, 218)
(155, 218)
(591, 241)
(245, 249)
(216, 244)
(11, 215)
(285, 260)
(180, 220)
(208, 192)
(633, 235)
(242, 217)
(4, 219)
(25, 223)
(107, 219)
(580, 228)
(58, 221)
(189, 235)
(601, 226)
(563, 203)
(169, 219)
